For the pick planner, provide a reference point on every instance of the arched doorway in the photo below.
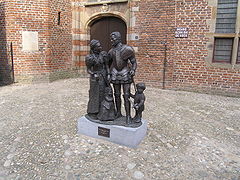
(102, 28)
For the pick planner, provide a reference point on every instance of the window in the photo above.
(238, 56)
(59, 18)
(223, 50)
(226, 16)
(226, 38)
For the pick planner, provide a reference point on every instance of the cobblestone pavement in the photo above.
(190, 136)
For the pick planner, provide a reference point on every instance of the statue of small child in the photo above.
(139, 99)
(107, 108)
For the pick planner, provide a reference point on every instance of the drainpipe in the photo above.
(11, 49)
(164, 64)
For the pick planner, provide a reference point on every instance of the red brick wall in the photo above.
(54, 40)
(60, 42)
(155, 23)
(187, 68)
(191, 71)
(28, 16)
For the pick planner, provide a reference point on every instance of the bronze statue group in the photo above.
(113, 69)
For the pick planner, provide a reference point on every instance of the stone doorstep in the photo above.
(126, 136)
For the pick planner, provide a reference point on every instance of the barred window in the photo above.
(223, 50)
(226, 37)
(226, 16)
(238, 56)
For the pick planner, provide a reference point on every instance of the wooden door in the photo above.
(102, 28)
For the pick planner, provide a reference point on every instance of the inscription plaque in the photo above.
(181, 32)
(103, 132)
(29, 41)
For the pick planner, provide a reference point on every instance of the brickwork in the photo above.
(60, 35)
(188, 64)
(192, 71)
(185, 64)
(54, 41)
(155, 22)
(28, 16)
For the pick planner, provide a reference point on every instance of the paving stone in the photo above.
(7, 163)
(229, 128)
(131, 166)
(18, 139)
(10, 156)
(67, 167)
(169, 145)
(39, 139)
(70, 176)
(65, 137)
(138, 175)
(18, 178)
(68, 153)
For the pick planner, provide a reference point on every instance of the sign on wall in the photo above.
(181, 32)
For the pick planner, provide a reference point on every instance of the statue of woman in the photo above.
(97, 67)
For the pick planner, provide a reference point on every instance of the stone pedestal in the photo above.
(126, 136)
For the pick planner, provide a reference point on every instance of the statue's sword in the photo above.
(134, 85)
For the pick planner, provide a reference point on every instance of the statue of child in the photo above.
(139, 99)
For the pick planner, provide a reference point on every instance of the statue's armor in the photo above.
(120, 64)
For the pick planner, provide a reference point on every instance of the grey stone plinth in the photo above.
(126, 136)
